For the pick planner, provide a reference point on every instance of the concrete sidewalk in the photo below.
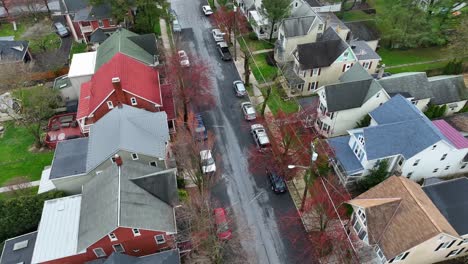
(8, 188)
(164, 36)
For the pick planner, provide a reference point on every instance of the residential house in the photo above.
(131, 133)
(18, 249)
(122, 80)
(459, 122)
(406, 139)
(83, 19)
(142, 48)
(128, 209)
(323, 62)
(319, 6)
(422, 91)
(341, 106)
(366, 31)
(14, 51)
(400, 222)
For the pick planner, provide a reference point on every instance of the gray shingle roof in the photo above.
(447, 89)
(350, 95)
(107, 195)
(297, 26)
(69, 158)
(98, 36)
(364, 30)
(402, 129)
(24, 255)
(321, 53)
(11, 51)
(127, 128)
(451, 198)
(355, 73)
(313, 3)
(363, 51)
(414, 83)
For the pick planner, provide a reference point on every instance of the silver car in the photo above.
(239, 88)
(218, 35)
(249, 111)
(61, 30)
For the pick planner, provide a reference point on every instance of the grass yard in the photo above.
(356, 15)
(15, 159)
(157, 28)
(397, 57)
(264, 69)
(254, 45)
(78, 48)
(50, 42)
(423, 67)
(275, 102)
(6, 29)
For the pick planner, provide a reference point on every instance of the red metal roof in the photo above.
(455, 137)
(135, 77)
(168, 101)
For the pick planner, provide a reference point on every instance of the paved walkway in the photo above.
(164, 36)
(8, 188)
(261, 51)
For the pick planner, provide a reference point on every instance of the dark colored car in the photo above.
(223, 50)
(239, 88)
(278, 185)
(200, 130)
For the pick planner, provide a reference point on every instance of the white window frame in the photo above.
(366, 65)
(455, 252)
(136, 232)
(435, 170)
(100, 23)
(115, 250)
(134, 156)
(463, 242)
(157, 241)
(110, 105)
(99, 255)
(315, 71)
(463, 165)
(133, 100)
(112, 237)
(382, 258)
(447, 167)
(444, 156)
(445, 245)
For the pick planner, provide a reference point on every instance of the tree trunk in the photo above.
(272, 29)
(6, 8)
(47, 6)
(246, 69)
(265, 101)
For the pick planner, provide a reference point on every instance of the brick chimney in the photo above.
(118, 160)
(118, 90)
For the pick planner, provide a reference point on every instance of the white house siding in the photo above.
(76, 82)
(422, 104)
(431, 159)
(373, 66)
(425, 252)
(373, 44)
(454, 107)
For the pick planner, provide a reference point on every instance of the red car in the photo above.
(222, 228)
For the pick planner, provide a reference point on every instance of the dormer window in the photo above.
(361, 139)
(346, 54)
(110, 105)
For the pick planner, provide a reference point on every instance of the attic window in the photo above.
(153, 163)
(136, 232)
(112, 237)
(320, 27)
(110, 104)
(133, 100)
(20, 245)
(99, 252)
(134, 156)
(160, 239)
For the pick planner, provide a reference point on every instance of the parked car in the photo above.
(222, 228)
(218, 35)
(223, 50)
(176, 26)
(207, 162)
(239, 88)
(249, 111)
(183, 58)
(200, 130)
(260, 137)
(61, 30)
(277, 182)
(207, 10)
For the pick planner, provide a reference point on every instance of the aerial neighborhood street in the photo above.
(219, 131)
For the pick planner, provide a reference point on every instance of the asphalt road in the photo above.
(267, 231)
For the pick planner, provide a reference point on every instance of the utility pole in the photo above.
(235, 37)
(308, 175)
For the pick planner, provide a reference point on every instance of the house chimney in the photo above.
(118, 160)
(118, 90)
(381, 72)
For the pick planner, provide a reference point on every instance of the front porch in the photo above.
(346, 165)
(290, 81)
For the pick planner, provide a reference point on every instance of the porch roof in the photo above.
(345, 155)
(259, 19)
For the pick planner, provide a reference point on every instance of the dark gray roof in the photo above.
(364, 30)
(345, 155)
(321, 53)
(447, 89)
(451, 198)
(350, 95)
(297, 26)
(130, 129)
(355, 73)
(69, 158)
(84, 11)
(24, 255)
(414, 83)
(362, 51)
(146, 42)
(11, 51)
(313, 3)
(98, 36)
(166, 257)
(74, 5)
(111, 193)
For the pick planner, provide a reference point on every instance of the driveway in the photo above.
(266, 225)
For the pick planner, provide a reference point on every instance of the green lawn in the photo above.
(397, 57)
(6, 29)
(254, 45)
(15, 159)
(50, 42)
(356, 15)
(422, 67)
(264, 69)
(275, 102)
(78, 48)
(157, 28)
